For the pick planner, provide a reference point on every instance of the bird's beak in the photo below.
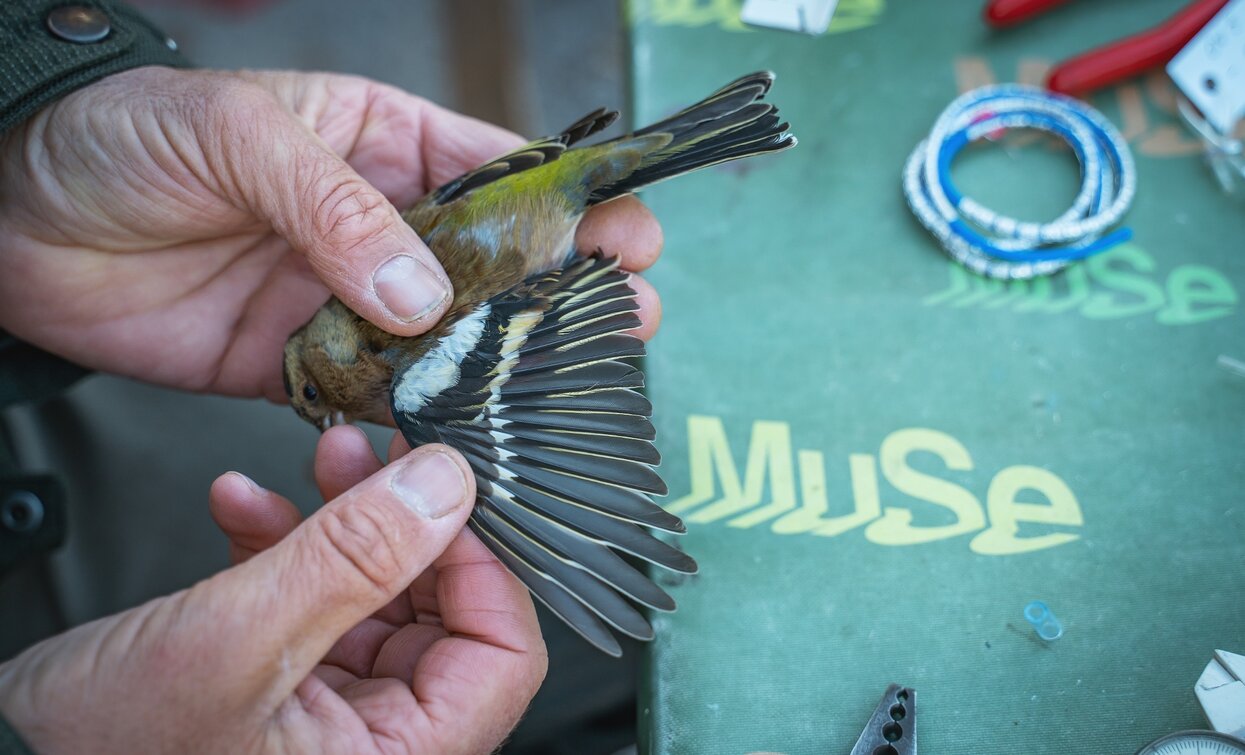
(332, 420)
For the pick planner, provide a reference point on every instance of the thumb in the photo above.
(348, 560)
(355, 240)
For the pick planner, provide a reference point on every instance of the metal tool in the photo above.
(892, 728)
(1210, 74)
(1220, 691)
(1194, 743)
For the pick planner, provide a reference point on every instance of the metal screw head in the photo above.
(79, 24)
(21, 512)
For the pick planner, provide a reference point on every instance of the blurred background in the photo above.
(532, 66)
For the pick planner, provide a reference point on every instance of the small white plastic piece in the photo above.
(805, 16)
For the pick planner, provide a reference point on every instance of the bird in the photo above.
(531, 373)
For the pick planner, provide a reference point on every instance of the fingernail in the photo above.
(254, 486)
(408, 289)
(431, 484)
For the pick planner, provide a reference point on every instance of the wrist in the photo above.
(51, 48)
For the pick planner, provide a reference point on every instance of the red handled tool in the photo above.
(1000, 13)
(1117, 60)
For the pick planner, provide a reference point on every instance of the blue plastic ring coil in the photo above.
(998, 246)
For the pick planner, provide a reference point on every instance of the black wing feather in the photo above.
(616, 445)
(559, 440)
(581, 552)
(598, 375)
(557, 598)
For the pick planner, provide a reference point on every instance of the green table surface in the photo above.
(881, 458)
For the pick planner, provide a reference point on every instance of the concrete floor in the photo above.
(138, 460)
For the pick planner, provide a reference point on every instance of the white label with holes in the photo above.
(1210, 70)
(807, 16)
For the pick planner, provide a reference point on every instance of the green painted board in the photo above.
(882, 459)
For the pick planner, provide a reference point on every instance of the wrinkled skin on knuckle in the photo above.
(365, 542)
(318, 99)
(235, 105)
(239, 126)
(346, 214)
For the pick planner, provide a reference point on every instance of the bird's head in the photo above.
(334, 372)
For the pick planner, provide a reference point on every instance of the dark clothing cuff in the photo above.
(31, 374)
(10, 742)
(38, 67)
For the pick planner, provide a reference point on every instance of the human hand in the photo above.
(377, 625)
(177, 226)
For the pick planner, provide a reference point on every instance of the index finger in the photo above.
(625, 228)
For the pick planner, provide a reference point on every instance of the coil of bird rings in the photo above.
(998, 246)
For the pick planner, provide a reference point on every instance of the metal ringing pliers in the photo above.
(892, 728)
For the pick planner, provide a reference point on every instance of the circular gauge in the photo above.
(1195, 743)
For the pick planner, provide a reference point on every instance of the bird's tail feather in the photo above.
(730, 124)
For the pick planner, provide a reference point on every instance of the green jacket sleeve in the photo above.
(41, 61)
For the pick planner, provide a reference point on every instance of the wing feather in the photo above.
(549, 417)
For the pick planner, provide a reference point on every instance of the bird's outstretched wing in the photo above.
(529, 387)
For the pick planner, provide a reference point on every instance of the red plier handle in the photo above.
(1117, 60)
(1000, 13)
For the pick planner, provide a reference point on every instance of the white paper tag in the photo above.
(1210, 70)
(807, 16)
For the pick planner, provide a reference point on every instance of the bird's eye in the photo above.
(309, 392)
